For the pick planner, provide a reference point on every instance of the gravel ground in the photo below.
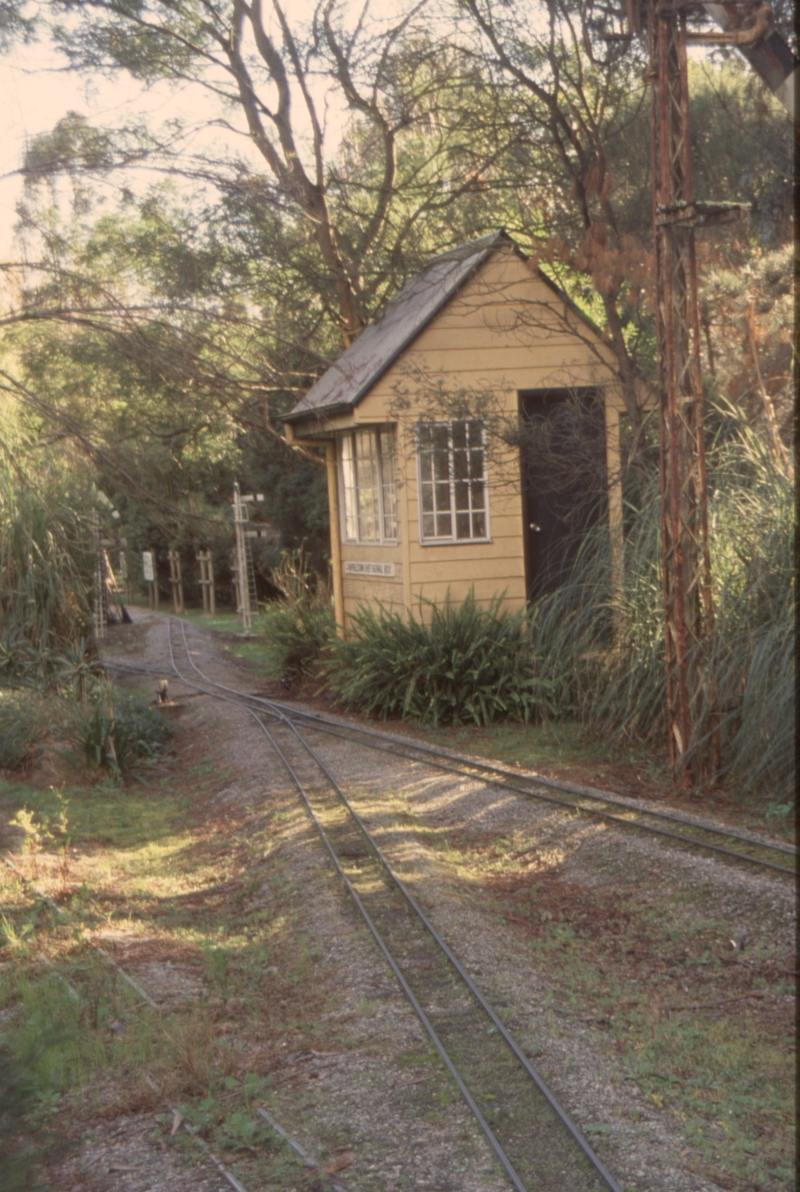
(365, 1092)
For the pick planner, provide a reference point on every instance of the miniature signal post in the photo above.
(688, 610)
(245, 579)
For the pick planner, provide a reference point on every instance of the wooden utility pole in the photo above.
(692, 713)
(686, 566)
(243, 571)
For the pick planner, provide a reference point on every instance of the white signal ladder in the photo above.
(247, 599)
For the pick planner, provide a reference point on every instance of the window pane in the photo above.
(460, 465)
(452, 479)
(441, 495)
(388, 488)
(441, 465)
(367, 482)
(349, 487)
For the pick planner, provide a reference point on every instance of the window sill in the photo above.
(454, 541)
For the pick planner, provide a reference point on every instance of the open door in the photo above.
(564, 479)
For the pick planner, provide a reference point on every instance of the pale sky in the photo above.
(35, 94)
(36, 91)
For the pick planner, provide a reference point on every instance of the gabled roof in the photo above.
(409, 312)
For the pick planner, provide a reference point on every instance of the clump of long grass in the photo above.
(113, 729)
(603, 649)
(299, 628)
(22, 724)
(466, 663)
(45, 574)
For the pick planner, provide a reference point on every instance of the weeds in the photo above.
(22, 724)
(43, 831)
(21, 1102)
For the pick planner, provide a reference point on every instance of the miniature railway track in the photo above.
(535, 1141)
(586, 800)
(682, 831)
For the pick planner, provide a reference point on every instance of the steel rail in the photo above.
(404, 747)
(508, 1039)
(328, 722)
(469, 766)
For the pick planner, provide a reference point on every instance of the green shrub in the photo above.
(22, 724)
(70, 668)
(299, 630)
(468, 664)
(23, 1146)
(113, 729)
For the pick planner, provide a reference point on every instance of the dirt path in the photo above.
(484, 864)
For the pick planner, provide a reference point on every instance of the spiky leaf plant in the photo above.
(464, 663)
(299, 629)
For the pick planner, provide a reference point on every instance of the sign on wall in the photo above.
(384, 570)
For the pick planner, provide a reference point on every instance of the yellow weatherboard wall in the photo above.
(505, 330)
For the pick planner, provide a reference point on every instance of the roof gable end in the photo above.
(380, 344)
(406, 315)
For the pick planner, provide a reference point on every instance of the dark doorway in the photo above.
(564, 480)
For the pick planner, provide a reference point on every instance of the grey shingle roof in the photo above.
(378, 346)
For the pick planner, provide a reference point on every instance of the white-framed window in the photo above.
(369, 491)
(453, 497)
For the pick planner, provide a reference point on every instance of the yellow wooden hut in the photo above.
(428, 485)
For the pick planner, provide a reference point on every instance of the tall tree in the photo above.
(290, 87)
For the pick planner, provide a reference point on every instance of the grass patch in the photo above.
(199, 908)
(530, 746)
(224, 620)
